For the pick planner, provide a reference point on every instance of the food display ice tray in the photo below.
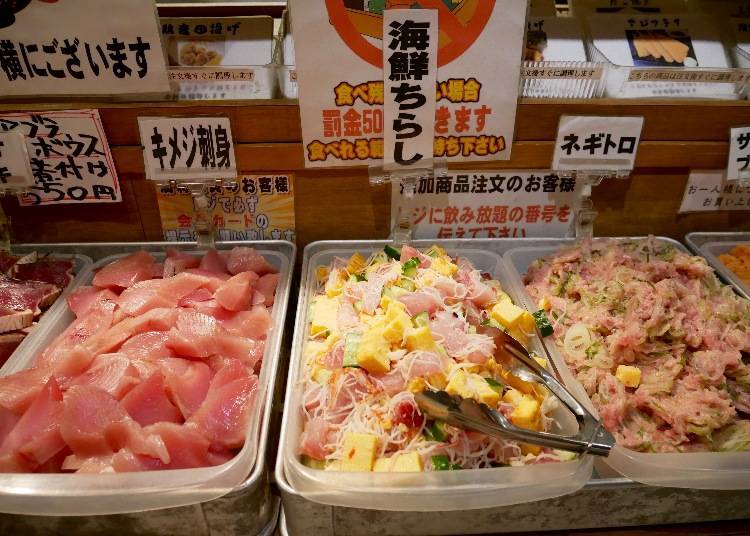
(440, 491)
(97, 494)
(697, 470)
(711, 245)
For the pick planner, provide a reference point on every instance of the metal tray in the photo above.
(589, 507)
(710, 245)
(253, 493)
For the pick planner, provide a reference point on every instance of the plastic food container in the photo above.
(426, 491)
(699, 470)
(113, 493)
(81, 265)
(711, 245)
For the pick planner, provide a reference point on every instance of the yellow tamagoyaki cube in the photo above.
(528, 448)
(628, 376)
(419, 339)
(507, 314)
(409, 462)
(416, 385)
(443, 266)
(520, 335)
(323, 313)
(469, 385)
(396, 323)
(358, 452)
(527, 322)
(517, 383)
(544, 303)
(437, 380)
(372, 354)
(526, 413)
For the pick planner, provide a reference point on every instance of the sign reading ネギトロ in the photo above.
(80, 47)
(339, 53)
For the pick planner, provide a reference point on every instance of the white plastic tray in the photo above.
(96, 494)
(81, 264)
(428, 491)
(700, 470)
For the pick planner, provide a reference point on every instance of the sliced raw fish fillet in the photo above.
(112, 373)
(8, 420)
(95, 424)
(147, 403)
(223, 416)
(237, 293)
(159, 319)
(214, 280)
(187, 383)
(187, 447)
(158, 270)
(18, 391)
(97, 320)
(54, 464)
(150, 345)
(254, 323)
(231, 369)
(213, 262)
(36, 436)
(178, 261)
(55, 272)
(147, 295)
(19, 296)
(266, 285)
(243, 259)
(126, 271)
(84, 299)
(197, 296)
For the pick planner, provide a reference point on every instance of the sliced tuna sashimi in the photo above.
(248, 259)
(112, 373)
(126, 271)
(159, 319)
(213, 262)
(94, 424)
(223, 416)
(178, 261)
(236, 294)
(266, 285)
(187, 383)
(187, 447)
(84, 298)
(151, 345)
(147, 403)
(36, 436)
(55, 272)
(197, 296)
(254, 323)
(147, 295)
(18, 391)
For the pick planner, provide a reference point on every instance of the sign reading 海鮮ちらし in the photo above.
(339, 56)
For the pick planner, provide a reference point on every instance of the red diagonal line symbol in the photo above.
(448, 22)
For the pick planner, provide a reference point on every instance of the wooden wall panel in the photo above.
(340, 203)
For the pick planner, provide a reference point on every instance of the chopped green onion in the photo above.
(392, 252)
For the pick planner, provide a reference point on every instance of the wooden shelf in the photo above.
(679, 135)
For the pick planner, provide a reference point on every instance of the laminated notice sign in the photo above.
(338, 46)
(490, 204)
(256, 207)
(709, 191)
(69, 157)
(81, 47)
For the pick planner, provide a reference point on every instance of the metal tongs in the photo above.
(592, 437)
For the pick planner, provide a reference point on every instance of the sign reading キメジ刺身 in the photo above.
(81, 47)
(190, 149)
(69, 157)
(490, 204)
(339, 54)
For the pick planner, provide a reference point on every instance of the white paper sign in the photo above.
(491, 204)
(69, 157)
(410, 75)
(338, 47)
(588, 143)
(81, 47)
(188, 149)
(709, 191)
(15, 171)
(738, 164)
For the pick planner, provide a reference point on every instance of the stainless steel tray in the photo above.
(253, 494)
(710, 245)
(598, 504)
